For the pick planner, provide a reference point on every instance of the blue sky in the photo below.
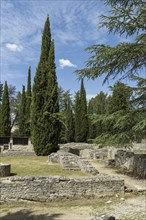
(73, 26)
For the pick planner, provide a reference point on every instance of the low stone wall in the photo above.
(18, 150)
(58, 188)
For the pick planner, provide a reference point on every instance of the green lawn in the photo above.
(36, 166)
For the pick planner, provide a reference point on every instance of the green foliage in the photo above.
(120, 98)
(116, 126)
(126, 17)
(5, 113)
(81, 118)
(77, 117)
(45, 124)
(22, 114)
(13, 104)
(69, 123)
(28, 103)
(1, 92)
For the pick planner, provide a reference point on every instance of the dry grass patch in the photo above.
(37, 166)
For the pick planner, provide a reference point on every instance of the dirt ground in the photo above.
(130, 206)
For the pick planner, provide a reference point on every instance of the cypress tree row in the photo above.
(45, 126)
(5, 113)
(28, 103)
(22, 114)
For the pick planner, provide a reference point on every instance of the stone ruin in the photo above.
(71, 161)
(128, 162)
(5, 170)
(75, 156)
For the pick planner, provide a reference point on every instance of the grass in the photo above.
(37, 166)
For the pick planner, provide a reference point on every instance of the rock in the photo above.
(108, 202)
(103, 217)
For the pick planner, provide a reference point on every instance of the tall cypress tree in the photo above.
(83, 114)
(5, 113)
(81, 118)
(51, 107)
(91, 126)
(28, 103)
(1, 94)
(22, 114)
(44, 122)
(69, 123)
(77, 117)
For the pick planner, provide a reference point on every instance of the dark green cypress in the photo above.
(45, 125)
(28, 103)
(5, 113)
(69, 123)
(1, 94)
(92, 127)
(81, 118)
(77, 117)
(22, 114)
(120, 98)
(83, 114)
(51, 107)
(39, 92)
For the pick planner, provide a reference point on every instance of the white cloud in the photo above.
(14, 47)
(66, 63)
(90, 96)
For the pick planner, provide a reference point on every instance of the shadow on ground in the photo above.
(26, 214)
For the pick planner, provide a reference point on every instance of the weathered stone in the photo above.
(134, 164)
(57, 188)
(111, 153)
(5, 169)
(139, 166)
(103, 217)
(54, 158)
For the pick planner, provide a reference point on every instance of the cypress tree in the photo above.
(1, 93)
(45, 125)
(120, 98)
(81, 118)
(22, 114)
(28, 103)
(69, 123)
(83, 114)
(77, 117)
(51, 107)
(5, 113)
(92, 127)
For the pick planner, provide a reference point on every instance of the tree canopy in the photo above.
(126, 18)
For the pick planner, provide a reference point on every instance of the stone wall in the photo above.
(58, 188)
(71, 161)
(134, 164)
(139, 165)
(18, 150)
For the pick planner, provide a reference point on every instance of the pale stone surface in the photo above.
(5, 169)
(57, 188)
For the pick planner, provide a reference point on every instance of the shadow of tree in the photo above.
(26, 214)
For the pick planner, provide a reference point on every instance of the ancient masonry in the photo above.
(58, 188)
